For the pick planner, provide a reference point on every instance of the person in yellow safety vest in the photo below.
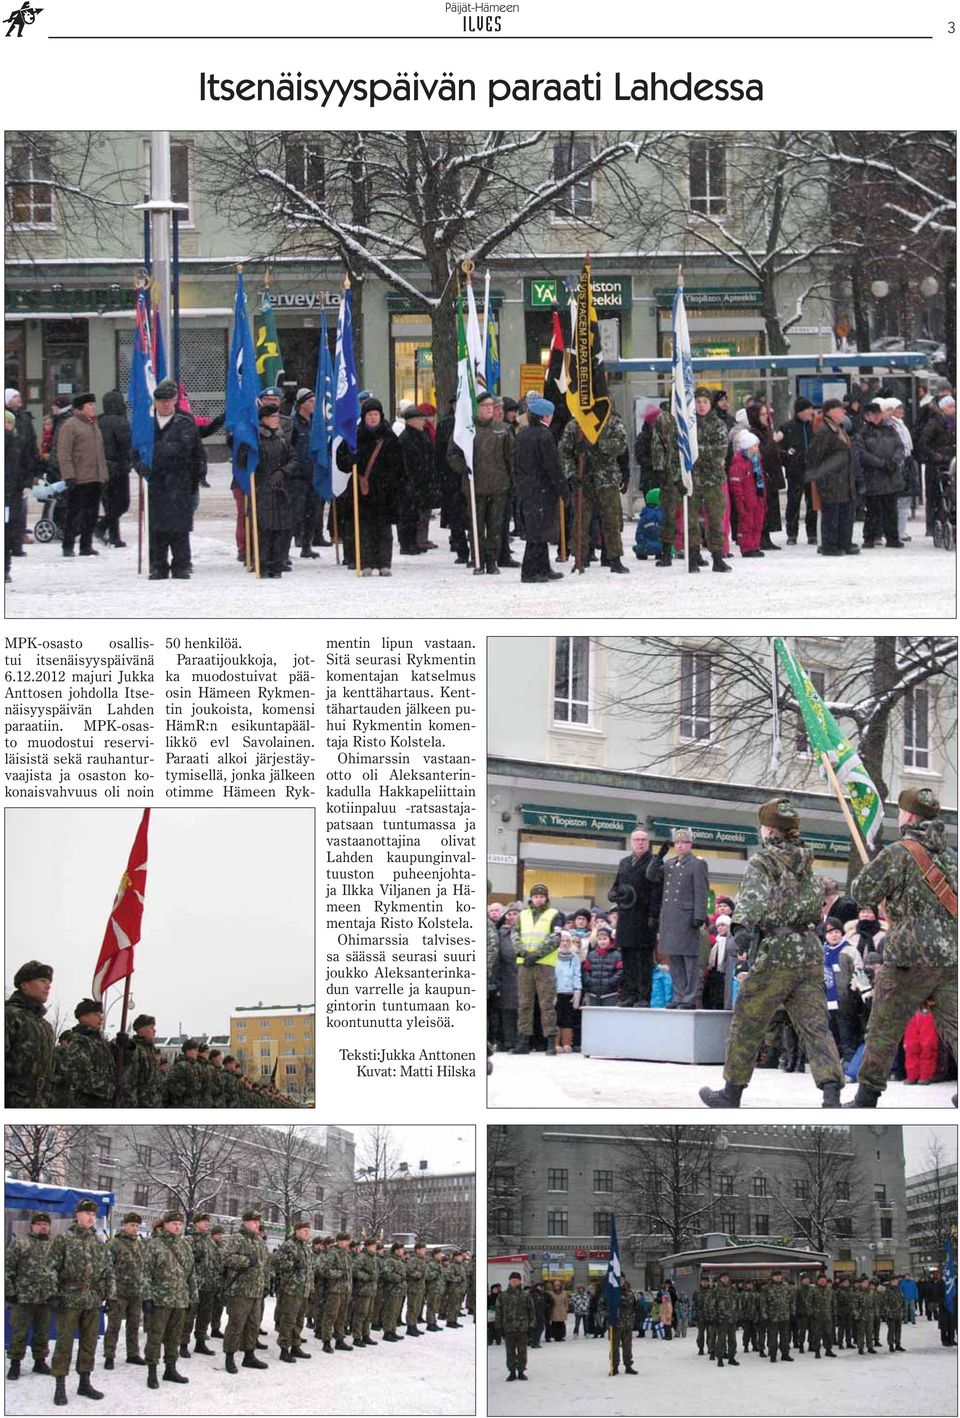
(536, 936)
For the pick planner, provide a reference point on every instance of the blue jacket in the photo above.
(648, 529)
(662, 991)
(908, 1288)
(568, 974)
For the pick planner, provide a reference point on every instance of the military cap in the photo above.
(202, 1216)
(780, 814)
(271, 392)
(79, 400)
(143, 1021)
(191, 1044)
(371, 1241)
(538, 889)
(132, 1216)
(86, 1204)
(397, 1246)
(419, 1244)
(87, 1006)
(702, 392)
(172, 1215)
(920, 801)
(300, 1226)
(202, 1048)
(166, 389)
(485, 398)
(251, 1216)
(321, 1240)
(38, 1217)
(540, 406)
(32, 970)
(437, 1251)
(344, 1236)
(216, 1230)
(682, 834)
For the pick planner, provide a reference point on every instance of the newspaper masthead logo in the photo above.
(17, 19)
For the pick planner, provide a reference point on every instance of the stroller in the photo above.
(945, 519)
(53, 500)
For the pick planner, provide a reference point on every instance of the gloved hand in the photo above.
(699, 922)
(530, 959)
(663, 849)
(275, 479)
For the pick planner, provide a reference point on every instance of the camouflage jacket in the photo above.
(28, 1052)
(394, 1273)
(183, 1084)
(515, 1311)
(82, 1266)
(364, 1273)
(922, 932)
(416, 1271)
(293, 1267)
(701, 1306)
(780, 898)
(243, 1268)
(749, 1306)
(777, 1301)
(169, 1274)
(627, 1313)
(805, 1300)
(127, 1255)
(206, 1259)
(866, 1305)
(823, 1306)
(456, 1276)
(725, 1305)
(59, 1092)
(231, 1089)
(710, 468)
(142, 1079)
(434, 1276)
(91, 1069)
(319, 1279)
(843, 1302)
(217, 1085)
(337, 1271)
(886, 1303)
(29, 1277)
(601, 467)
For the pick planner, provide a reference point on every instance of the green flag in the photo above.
(269, 361)
(466, 406)
(826, 736)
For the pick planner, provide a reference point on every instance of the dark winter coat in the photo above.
(508, 969)
(637, 924)
(300, 477)
(386, 475)
(278, 464)
(686, 883)
(493, 458)
(539, 482)
(938, 439)
(416, 487)
(176, 470)
(12, 474)
(797, 434)
(29, 453)
(115, 431)
(602, 971)
(769, 452)
(881, 458)
(830, 464)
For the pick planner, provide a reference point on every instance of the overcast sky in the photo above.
(445, 1149)
(916, 1141)
(229, 916)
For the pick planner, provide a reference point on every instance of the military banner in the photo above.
(587, 397)
(269, 360)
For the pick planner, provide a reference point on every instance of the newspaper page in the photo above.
(315, 324)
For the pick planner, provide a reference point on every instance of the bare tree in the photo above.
(377, 1164)
(504, 1186)
(822, 1201)
(667, 1181)
(189, 1162)
(939, 1204)
(40, 1152)
(292, 1169)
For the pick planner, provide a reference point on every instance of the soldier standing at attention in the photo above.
(90, 1064)
(822, 1319)
(84, 1275)
(170, 1289)
(433, 1293)
(293, 1268)
(217, 1234)
(516, 1316)
(683, 913)
(777, 1308)
(206, 1264)
(709, 478)
(778, 903)
(395, 1287)
(28, 1038)
(416, 1284)
(142, 1079)
(243, 1293)
(126, 1256)
(700, 1313)
(917, 877)
(337, 1270)
(725, 1318)
(30, 1286)
(623, 1329)
(456, 1286)
(600, 485)
(184, 1086)
(365, 1272)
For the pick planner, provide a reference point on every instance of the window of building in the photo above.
(265, 1070)
(253, 1177)
(601, 1223)
(264, 1051)
(726, 1184)
(556, 1223)
(603, 1181)
(695, 696)
(274, 1214)
(104, 1182)
(844, 1226)
(233, 1175)
(886, 1228)
(557, 1179)
(758, 1186)
(144, 1155)
(318, 1220)
(233, 1206)
(818, 679)
(181, 177)
(843, 1190)
(708, 176)
(344, 1221)
(304, 169)
(728, 1222)
(570, 152)
(290, 1068)
(801, 1188)
(916, 729)
(803, 1225)
(880, 1193)
(502, 1221)
(264, 1024)
(320, 1193)
(571, 680)
(761, 1224)
(141, 1196)
(29, 178)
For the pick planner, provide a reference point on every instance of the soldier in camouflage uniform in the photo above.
(59, 1093)
(232, 1088)
(516, 1316)
(84, 1278)
(28, 1038)
(753, 1333)
(821, 1319)
(709, 479)
(244, 1282)
(896, 1314)
(493, 463)
(725, 1319)
(456, 1287)
(600, 483)
(416, 1286)
(864, 1315)
(217, 1235)
(920, 952)
(365, 1273)
(30, 1286)
(778, 902)
(315, 1300)
(126, 1254)
(777, 1307)
(844, 1307)
(293, 1268)
(376, 1320)
(217, 1080)
(206, 1264)
(803, 1312)
(142, 1080)
(434, 1287)
(170, 1290)
(90, 1064)
(337, 1271)
(700, 1311)
(184, 1085)
(394, 1290)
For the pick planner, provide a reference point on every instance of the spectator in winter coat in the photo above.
(841, 964)
(83, 466)
(602, 969)
(797, 433)
(115, 431)
(637, 902)
(540, 486)
(15, 526)
(379, 465)
(646, 543)
(830, 463)
(643, 454)
(881, 459)
(666, 1314)
(12, 485)
(936, 446)
(908, 1289)
(580, 1307)
(759, 422)
(747, 488)
(661, 991)
(507, 979)
(569, 987)
(920, 1046)
(559, 1303)
(721, 963)
(416, 490)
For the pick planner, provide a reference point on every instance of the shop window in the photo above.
(30, 205)
(696, 674)
(203, 369)
(571, 680)
(708, 176)
(916, 729)
(818, 679)
(65, 345)
(181, 178)
(15, 358)
(569, 154)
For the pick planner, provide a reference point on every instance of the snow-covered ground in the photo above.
(435, 1375)
(572, 1081)
(573, 1378)
(919, 581)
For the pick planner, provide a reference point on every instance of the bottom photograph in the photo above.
(672, 1253)
(145, 1257)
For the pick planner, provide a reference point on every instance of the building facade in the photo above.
(440, 1207)
(553, 1189)
(276, 1041)
(931, 1215)
(621, 732)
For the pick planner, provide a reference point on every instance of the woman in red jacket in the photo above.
(747, 488)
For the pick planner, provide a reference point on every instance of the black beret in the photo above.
(32, 970)
(166, 389)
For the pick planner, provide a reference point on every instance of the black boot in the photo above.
(340, 1345)
(135, 1359)
(726, 1097)
(300, 1353)
(734, 1362)
(618, 568)
(693, 561)
(154, 1382)
(551, 1043)
(250, 1361)
(831, 1095)
(171, 1376)
(231, 1365)
(664, 559)
(629, 1369)
(522, 1046)
(389, 1337)
(720, 565)
(719, 1363)
(433, 1328)
(40, 1366)
(107, 1363)
(86, 1389)
(14, 1370)
(491, 566)
(511, 1376)
(866, 1097)
(201, 1347)
(286, 1357)
(258, 1345)
(184, 1351)
(327, 1347)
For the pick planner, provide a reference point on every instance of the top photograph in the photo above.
(382, 368)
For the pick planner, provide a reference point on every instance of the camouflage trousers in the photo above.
(121, 1309)
(799, 990)
(362, 1311)
(434, 1295)
(336, 1308)
(32, 1320)
(819, 1336)
(288, 1318)
(704, 1336)
(243, 1323)
(165, 1325)
(725, 1339)
(516, 1347)
(216, 1310)
(606, 502)
(537, 982)
(708, 501)
(414, 1303)
(87, 1324)
(376, 1318)
(778, 1332)
(392, 1305)
(200, 1316)
(622, 1345)
(454, 1303)
(864, 1331)
(752, 1335)
(898, 992)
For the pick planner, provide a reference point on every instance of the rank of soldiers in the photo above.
(83, 1069)
(165, 1291)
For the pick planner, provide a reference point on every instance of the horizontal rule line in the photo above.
(579, 38)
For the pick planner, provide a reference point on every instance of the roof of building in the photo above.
(270, 1011)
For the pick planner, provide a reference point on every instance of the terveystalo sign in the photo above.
(610, 293)
(727, 834)
(566, 819)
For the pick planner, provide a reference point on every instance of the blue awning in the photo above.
(36, 1196)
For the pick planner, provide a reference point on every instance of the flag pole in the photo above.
(357, 560)
(336, 534)
(246, 531)
(563, 529)
(611, 1349)
(686, 495)
(844, 806)
(255, 523)
(140, 524)
(467, 266)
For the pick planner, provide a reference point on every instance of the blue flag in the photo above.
(243, 386)
(321, 430)
(682, 404)
(143, 381)
(950, 1276)
(346, 408)
(611, 1285)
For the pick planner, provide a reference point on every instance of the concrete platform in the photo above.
(693, 1036)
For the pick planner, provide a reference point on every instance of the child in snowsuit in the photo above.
(647, 540)
(747, 488)
(920, 1044)
(569, 987)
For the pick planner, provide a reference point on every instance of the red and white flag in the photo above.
(115, 961)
